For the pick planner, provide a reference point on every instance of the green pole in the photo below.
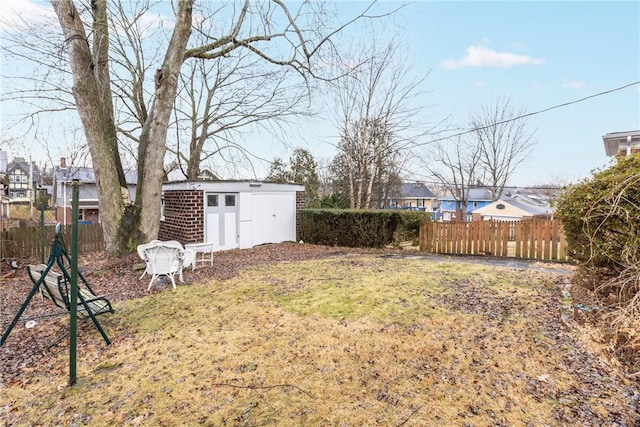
(73, 261)
(41, 233)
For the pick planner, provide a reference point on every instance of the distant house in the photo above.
(88, 205)
(622, 143)
(451, 208)
(542, 197)
(413, 196)
(22, 176)
(512, 209)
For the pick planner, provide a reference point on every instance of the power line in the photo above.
(530, 114)
(543, 187)
(522, 116)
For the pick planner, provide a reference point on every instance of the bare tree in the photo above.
(221, 99)
(486, 156)
(457, 166)
(272, 32)
(325, 187)
(504, 141)
(136, 45)
(35, 83)
(378, 118)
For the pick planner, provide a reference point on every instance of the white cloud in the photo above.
(482, 56)
(572, 85)
(18, 14)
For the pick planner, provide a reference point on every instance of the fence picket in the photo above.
(24, 242)
(537, 239)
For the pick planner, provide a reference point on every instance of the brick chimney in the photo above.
(63, 162)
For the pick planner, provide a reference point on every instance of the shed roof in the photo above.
(232, 186)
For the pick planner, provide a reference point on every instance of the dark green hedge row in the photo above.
(359, 228)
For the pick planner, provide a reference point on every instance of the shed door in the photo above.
(274, 218)
(222, 220)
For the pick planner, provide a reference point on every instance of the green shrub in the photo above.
(358, 228)
(601, 217)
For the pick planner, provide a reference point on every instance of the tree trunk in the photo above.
(92, 93)
(153, 137)
(124, 226)
(350, 166)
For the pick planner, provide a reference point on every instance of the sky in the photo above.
(538, 54)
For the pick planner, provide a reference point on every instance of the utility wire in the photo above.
(524, 115)
(530, 114)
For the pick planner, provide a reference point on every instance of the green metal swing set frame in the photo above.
(64, 300)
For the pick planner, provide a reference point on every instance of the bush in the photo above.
(601, 217)
(359, 228)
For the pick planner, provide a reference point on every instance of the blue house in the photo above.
(451, 208)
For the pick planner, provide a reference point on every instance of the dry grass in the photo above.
(27, 212)
(350, 341)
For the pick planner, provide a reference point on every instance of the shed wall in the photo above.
(183, 216)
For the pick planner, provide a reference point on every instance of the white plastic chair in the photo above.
(163, 260)
(141, 249)
(189, 258)
(188, 255)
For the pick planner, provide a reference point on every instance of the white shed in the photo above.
(230, 214)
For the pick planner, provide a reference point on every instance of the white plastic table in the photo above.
(204, 249)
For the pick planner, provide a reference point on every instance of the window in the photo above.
(230, 200)
(500, 206)
(25, 178)
(212, 200)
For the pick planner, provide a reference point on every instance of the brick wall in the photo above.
(183, 216)
(300, 198)
(60, 215)
(89, 215)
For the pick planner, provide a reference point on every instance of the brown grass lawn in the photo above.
(352, 340)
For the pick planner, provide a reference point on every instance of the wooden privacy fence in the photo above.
(24, 242)
(536, 239)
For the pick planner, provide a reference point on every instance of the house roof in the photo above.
(534, 209)
(474, 194)
(519, 204)
(20, 163)
(615, 140)
(416, 190)
(87, 175)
